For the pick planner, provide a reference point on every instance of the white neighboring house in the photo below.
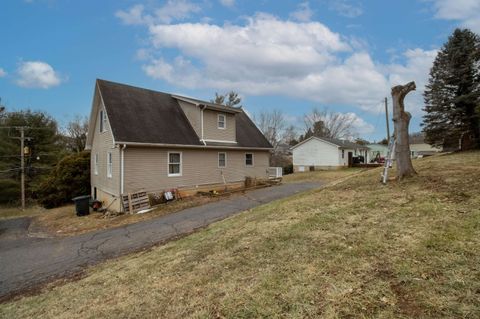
(423, 149)
(325, 153)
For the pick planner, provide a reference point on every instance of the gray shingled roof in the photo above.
(209, 105)
(138, 115)
(338, 142)
(342, 143)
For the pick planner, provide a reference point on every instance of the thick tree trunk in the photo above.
(401, 120)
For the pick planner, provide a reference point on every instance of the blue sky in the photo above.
(288, 55)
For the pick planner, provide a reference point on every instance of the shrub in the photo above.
(10, 191)
(70, 178)
(288, 169)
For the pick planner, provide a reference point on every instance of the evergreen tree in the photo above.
(452, 95)
(231, 99)
(320, 129)
(308, 134)
(42, 151)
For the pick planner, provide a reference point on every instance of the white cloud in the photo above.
(176, 10)
(346, 9)
(359, 125)
(143, 54)
(416, 68)
(303, 13)
(133, 16)
(227, 3)
(467, 12)
(172, 10)
(2, 73)
(37, 74)
(266, 55)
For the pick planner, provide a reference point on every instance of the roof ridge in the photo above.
(132, 86)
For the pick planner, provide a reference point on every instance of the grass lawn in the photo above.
(15, 212)
(325, 176)
(353, 250)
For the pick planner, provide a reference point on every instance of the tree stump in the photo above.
(401, 120)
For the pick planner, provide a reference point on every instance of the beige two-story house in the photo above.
(144, 140)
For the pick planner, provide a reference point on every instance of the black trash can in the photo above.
(82, 205)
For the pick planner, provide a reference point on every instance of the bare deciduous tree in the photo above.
(76, 133)
(290, 135)
(272, 125)
(329, 124)
(401, 120)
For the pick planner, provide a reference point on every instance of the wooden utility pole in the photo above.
(22, 164)
(22, 139)
(388, 123)
(401, 120)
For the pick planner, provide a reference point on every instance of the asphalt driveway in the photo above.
(28, 262)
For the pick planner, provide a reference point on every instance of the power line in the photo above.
(10, 170)
(28, 128)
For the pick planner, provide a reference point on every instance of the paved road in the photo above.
(28, 262)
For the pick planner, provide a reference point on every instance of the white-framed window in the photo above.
(248, 159)
(222, 159)
(103, 121)
(343, 153)
(174, 163)
(95, 167)
(221, 121)
(109, 164)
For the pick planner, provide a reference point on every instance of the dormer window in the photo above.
(221, 121)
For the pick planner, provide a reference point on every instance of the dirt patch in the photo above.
(406, 302)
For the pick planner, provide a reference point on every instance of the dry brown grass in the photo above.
(354, 250)
(324, 176)
(15, 212)
(62, 221)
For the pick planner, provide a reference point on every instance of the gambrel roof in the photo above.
(142, 116)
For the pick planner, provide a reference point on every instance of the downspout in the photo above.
(201, 122)
(122, 167)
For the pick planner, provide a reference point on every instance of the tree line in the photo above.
(47, 147)
(274, 125)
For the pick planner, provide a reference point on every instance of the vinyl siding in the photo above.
(210, 125)
(344, 161)
(211, 130)
(101, 145)
(192, 112)
(147, 168)
(316, 153)
(423, 147)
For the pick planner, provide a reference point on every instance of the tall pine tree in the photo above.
(452, 95)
